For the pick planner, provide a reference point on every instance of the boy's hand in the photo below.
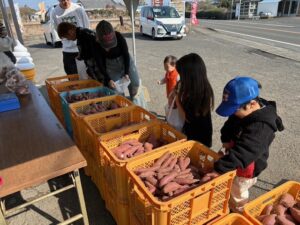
(112, 84)
(228, 145)
(212, 174)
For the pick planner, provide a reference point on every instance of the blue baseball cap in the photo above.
(238, 91)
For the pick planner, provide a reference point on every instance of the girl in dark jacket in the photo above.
(195, 98)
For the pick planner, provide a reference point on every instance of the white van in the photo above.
(162, 21)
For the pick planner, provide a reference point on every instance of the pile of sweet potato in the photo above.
(285, 212)
(99, 107)
(170, 176)
(133, 147)
(83, 96)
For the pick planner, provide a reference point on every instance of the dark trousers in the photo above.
(70, 62)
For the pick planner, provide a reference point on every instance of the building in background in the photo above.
(267, 8)
(90, 5)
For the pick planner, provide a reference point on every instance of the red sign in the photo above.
(194, 19)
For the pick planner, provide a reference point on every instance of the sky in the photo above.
(34, 3)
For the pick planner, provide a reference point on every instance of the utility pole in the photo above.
(240, 10)
(5, 18)
(231, 9)
(14, 16)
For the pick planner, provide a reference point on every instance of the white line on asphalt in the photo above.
(262, 28)
(270, 24)
(277, 25)
(262, 38)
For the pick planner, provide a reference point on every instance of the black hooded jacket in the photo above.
(252, 137)
(86, 42)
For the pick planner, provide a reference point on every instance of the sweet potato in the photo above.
(122, 148)
(162, 159)
(186, 171)
(278, 209)
(173, 163)
(130, 152)
(261, 217)
(295, 212)
(267, 210)
(205, 179)
(181, 190)
(161, 175)
(131, 142)
(150, 187)
(185, 181)
(269, 220)
(290, 218)
(147, 174)
(181, 162)
(141, 170)
(167, 179)
(167, 162)
(120, 155)
(148, 147)
(287, 200)
(152, 180)
(172, 186)
(165, 170)
(282, 220)
(139, 151)
(185, 176)
(186, 163)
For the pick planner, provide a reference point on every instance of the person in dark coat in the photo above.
(246, 136)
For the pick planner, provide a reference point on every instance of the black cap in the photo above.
(106, 35)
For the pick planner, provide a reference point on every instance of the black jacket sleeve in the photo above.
(248, 148)
(123, 45)
(229, 130)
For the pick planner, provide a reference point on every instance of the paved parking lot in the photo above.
(280, 78)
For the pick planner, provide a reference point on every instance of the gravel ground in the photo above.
(280, 78)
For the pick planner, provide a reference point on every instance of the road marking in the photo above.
(277, 25)
(262, 28)
(262, 38)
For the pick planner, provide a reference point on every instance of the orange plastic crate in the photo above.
(77, 108)
(57, 80)
(197, 206)
(254, 208)
(96, 125)
(56, 89)
(232, 219)
(114, 169)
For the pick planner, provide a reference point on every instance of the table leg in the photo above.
(81, 197)
(2, 218)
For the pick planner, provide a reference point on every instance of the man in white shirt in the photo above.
(66, 11)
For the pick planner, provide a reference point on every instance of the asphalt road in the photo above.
(283, 32)
(225, 59)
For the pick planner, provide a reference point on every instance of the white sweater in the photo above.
(74, 14)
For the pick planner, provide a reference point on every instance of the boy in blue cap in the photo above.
(246, 136)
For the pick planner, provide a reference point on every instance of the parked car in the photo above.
(50, 34)
(162, 21)
(265, 15)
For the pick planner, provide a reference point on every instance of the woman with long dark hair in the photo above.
(195, 98)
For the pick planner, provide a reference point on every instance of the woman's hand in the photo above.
(126, 77)
(112, 84)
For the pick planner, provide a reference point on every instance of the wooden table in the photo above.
(34, 148)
